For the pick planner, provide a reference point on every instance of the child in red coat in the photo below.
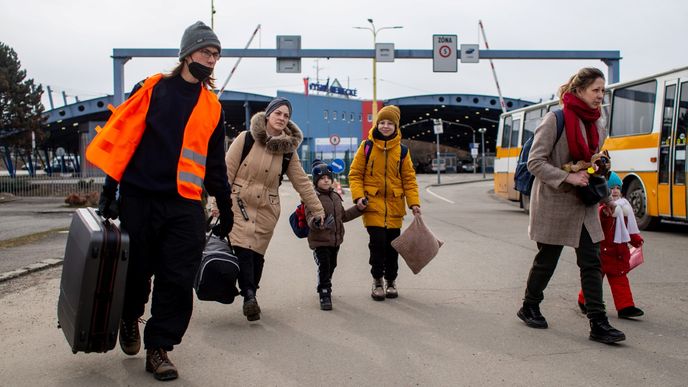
(620, 229)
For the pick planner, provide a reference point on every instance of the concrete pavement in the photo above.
(453, 324)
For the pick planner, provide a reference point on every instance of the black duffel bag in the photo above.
(217, 276)
(595, 191)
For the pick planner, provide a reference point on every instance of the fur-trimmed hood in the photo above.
(287, 142)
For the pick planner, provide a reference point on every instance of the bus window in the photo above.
(506, 132)
(531, 121)
(665, 136)
(515, 131)
(633, 109)
(680, 159)
(606, 107)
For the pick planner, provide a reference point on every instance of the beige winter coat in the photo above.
(557, 215)
(256, 182)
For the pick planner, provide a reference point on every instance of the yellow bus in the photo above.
(647, 120)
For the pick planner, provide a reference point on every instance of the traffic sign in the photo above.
(474, 152)
(384, 52)
(337, 165)
(438, 126)
(335, 139)
(444, 53)
(470, 53)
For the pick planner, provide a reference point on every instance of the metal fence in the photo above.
(55, 185)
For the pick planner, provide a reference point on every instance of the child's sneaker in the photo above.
(630, 312)
(325, 299)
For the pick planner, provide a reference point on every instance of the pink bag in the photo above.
(636, 257)
(417, 245)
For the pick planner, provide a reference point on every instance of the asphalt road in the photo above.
(453, 324)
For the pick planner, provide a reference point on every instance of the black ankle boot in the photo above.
(601, 331)
(325, 299)
(530, 314)
(251, 308)
(630, 312)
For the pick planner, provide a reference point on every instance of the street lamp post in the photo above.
(375, 31)
(482, 140)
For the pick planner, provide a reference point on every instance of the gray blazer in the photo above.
(557, 216)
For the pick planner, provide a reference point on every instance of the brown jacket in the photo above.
(557, 216)
(256, 182)
(333, 235)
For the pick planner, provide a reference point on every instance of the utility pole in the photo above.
(439, 128)
(482, 140)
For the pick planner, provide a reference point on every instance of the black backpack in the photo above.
(523, 179)
(248, 144)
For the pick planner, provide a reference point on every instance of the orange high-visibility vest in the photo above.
(116, 142)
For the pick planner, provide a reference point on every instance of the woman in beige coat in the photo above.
(255, 191)
(558, 217)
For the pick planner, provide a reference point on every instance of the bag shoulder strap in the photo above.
(559, 114)
(248, 144)
(368, 147)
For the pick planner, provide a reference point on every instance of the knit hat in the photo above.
(614, 180)
(320, 169)
(390, 113)
(275, 103)
(197, 36)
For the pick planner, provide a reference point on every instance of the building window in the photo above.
(351, 117)
(370, 117)
(326, 115)
(360, 117)
(343, 116)
(334, 115)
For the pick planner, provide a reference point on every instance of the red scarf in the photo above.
(574, 109)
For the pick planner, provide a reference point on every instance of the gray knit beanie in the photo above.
(197, 36)
(275, 103)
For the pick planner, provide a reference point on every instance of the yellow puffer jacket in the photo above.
(382, 184)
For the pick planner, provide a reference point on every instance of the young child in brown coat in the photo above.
(324, 239)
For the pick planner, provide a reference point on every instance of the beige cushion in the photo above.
(417, 245)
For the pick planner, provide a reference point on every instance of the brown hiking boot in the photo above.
(391, 289)
(129, 336)
(160, 365)
(378, 292)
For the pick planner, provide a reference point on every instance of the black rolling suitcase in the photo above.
(93, 281)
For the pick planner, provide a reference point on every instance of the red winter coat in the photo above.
(615, 257)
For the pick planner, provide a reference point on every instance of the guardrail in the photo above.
(56, 185)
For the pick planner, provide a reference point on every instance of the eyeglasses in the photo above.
(207, 54)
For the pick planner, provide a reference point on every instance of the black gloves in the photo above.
(108, 205)
(224, 204)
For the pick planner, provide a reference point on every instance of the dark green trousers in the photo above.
(588, 260)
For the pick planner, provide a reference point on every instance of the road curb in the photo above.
(32, 268)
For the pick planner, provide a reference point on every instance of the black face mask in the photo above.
(199, 71)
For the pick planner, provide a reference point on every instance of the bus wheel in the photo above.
(525, 203)
(638, 199)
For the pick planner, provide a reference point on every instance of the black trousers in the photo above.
(588, 260)
(167, 236)
(326, 259)
(250, 269)
(384, 260)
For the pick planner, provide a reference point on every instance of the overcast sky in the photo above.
(68, 44)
